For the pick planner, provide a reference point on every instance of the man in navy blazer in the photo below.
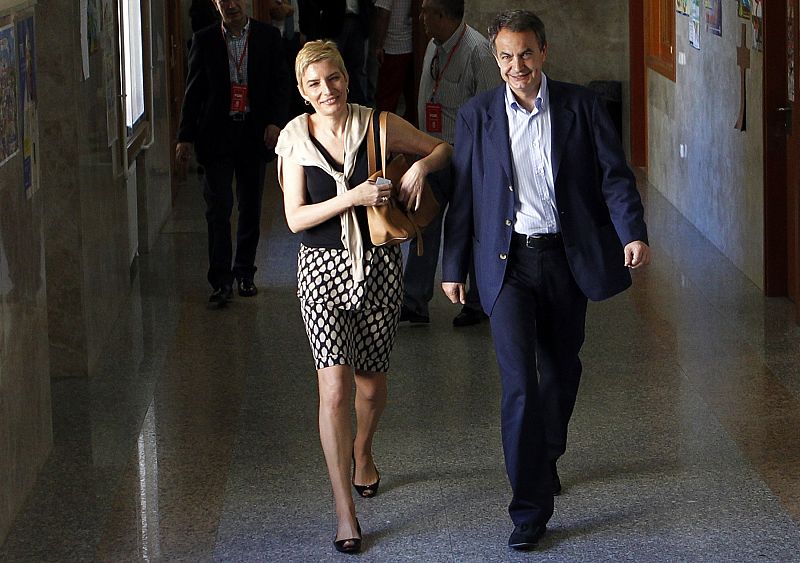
(237, 99)
(545, 200)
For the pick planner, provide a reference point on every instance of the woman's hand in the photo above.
(411, 184)
(372, 193)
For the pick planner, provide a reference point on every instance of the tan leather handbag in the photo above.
(392, 223)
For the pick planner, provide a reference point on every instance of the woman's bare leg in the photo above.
(336, 435)
(371, 393)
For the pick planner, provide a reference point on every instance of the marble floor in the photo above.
(197, 439)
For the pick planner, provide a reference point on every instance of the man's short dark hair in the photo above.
(453, 9)
(517, 21)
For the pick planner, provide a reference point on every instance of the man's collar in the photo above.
(542, 98)
(453, 39)
(245, 29)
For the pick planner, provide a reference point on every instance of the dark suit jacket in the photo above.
(205, 119)
(322, 19)
(599, 207)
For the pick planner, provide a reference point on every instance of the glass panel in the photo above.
(134, 70)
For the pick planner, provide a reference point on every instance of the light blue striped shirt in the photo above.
(530, 132)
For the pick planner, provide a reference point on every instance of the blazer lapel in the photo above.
(497, 130)
(561, 120)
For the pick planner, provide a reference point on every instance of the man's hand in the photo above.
(455, 292)
(637, 254)
(271, 136)
(183, 152)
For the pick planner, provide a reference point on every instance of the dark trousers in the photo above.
(248, 169)
(353, 46)
(420, 271)
(538, 330)
(395, 77)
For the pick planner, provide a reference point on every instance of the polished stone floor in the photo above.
(197, 439)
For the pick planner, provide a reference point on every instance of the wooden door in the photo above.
(791, 115)
(177, 81)
(782, 151)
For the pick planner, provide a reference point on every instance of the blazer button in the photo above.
(511, 188)
(503, 256)
(508, 222)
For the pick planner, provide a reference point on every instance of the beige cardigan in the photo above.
(294, 144)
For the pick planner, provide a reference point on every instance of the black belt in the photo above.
(543, 240)
(238, 116)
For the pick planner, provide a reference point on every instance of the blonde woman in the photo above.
(350, 292)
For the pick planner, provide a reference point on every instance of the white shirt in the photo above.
(472, 69)
(398, 37)
(531, 132)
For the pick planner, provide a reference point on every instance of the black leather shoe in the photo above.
(350, 545)
(526, 536)
(556, 480)
(469, 316)
(221, 295)
(407, 314)
(247, 288)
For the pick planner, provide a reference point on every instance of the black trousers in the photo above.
(538, 329)
(247, 168)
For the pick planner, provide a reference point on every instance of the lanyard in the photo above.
(449, 58)
(241, 58)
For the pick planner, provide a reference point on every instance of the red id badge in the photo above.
(433, 117)
(238, 98)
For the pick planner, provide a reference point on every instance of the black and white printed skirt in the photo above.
(350, 323)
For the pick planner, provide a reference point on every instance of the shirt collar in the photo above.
(245, 30)
(453, 39)
(540, 104)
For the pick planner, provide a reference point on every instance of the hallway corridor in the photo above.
(198, 441)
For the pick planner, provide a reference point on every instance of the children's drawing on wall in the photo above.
(745, 8)
(682, 7)
(9, 142)
(758, 25)
(694, 24)
(27, 104)
(714, 16)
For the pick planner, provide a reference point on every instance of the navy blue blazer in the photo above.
(599, 207)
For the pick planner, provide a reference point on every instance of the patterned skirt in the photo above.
(350, 323)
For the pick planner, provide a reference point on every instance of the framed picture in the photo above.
(745, 8)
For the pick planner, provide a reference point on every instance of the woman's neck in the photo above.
(331, 125)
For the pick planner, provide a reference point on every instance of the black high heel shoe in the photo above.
(366, 491)
(355, 543)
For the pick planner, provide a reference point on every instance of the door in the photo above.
(782, 151)
(791, 111)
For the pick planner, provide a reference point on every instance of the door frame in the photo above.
(638, 85)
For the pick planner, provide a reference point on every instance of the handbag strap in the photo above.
(371, 160)
(382, 126)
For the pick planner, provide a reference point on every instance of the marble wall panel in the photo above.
(25, 406)
(718, 186)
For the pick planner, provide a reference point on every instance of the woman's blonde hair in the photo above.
(314, 52)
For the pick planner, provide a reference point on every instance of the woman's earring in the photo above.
(306, 102)
(348, 89)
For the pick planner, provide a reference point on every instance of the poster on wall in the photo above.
(9, 141)
(682, 7)
(744, 9)
(694, 24)
(758, 25)
(714, 16)
(93, 25)
(27, 104)
(85, 38)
